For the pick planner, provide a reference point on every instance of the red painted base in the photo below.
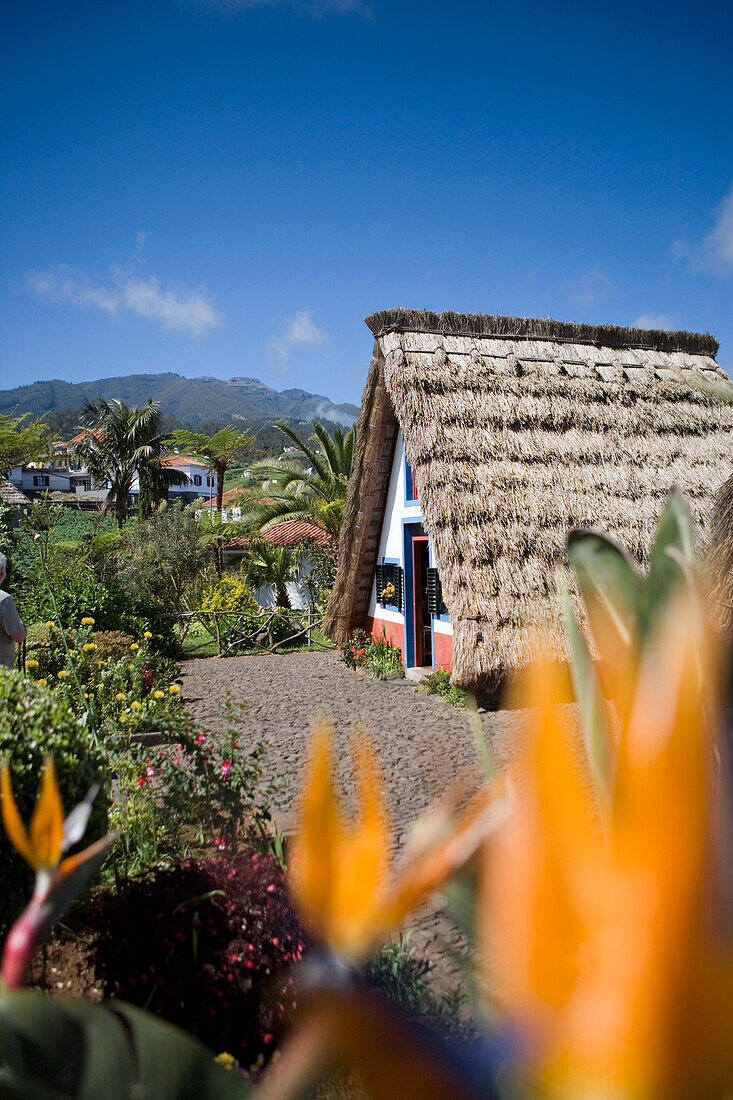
(443, 655)
(395, 632)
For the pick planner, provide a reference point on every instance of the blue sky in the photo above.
(227, 187)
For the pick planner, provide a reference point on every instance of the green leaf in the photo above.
(71, 1050)
(610, 587)
(175, 1066)
(63, 1049)
(593, 714)
(666, 568)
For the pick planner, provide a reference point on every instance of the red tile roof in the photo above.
(290, 533)
(228, 496)
(182, 460)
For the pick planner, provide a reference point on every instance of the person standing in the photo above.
(12, 627)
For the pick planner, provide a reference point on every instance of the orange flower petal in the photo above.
(14, 827)
(320, 842)
(47, 824)
(364, 865)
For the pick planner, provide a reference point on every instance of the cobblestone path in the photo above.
(423, 744)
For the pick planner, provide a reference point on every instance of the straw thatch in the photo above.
(518, 430)
(719, 561)
(11, 495)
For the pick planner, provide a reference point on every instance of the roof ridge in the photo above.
(538, 328)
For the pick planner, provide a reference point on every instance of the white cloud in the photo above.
(714, 253)
(299, 331)
(655, 321)
(592, 286)
(179, 309)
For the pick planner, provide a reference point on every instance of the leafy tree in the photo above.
(20, 441)
(120, 442)
(219, 451)
(266, 565)
(161, 558)
(316, 493)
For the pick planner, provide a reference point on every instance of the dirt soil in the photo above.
(424, 745)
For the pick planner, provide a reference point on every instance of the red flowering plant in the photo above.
(207, 784)
(373, 655)
(206, 944)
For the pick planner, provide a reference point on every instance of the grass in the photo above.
(438, 683)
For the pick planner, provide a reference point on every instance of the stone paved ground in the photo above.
(423, 744)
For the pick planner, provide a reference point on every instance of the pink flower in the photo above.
(226, 768)
(141, 781)
(271, 888)
(221, 843)
(200, 739)
(150, 773)
(176, 760)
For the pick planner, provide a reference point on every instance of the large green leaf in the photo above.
(610, 586)
(673, 548)
(70, 1050)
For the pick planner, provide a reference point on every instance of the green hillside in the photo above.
(194, 401)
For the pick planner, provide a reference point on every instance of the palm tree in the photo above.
(121, 441)
(315, 492)
(219, 451)
(267, 565)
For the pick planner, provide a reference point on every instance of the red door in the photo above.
(423, 633)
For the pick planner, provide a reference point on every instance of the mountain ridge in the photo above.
(190, 400)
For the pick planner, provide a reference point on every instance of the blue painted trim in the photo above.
(408, 475)
(411, 527)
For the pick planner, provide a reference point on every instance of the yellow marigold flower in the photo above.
(174, 689)
(134, 646)
(86, 694)
(62, 674)
(148, 634)
(89, 647)
(87, 621)
(225, 1059)
(42, 682)
(134, 705)
(32, 663)
(122, 718)
(120, 696)
(101, 663)
(50, 624)
(158, 695)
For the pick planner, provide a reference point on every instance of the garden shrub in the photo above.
(230, 593)
(35, 723)
(202, 783)
(205, 944)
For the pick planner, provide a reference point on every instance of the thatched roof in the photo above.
(11, 495)
(518, 430)
(719, 561)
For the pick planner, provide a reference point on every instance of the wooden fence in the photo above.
(233, 631)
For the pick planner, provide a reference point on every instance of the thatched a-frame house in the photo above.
(513, 430)
(12, 497)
